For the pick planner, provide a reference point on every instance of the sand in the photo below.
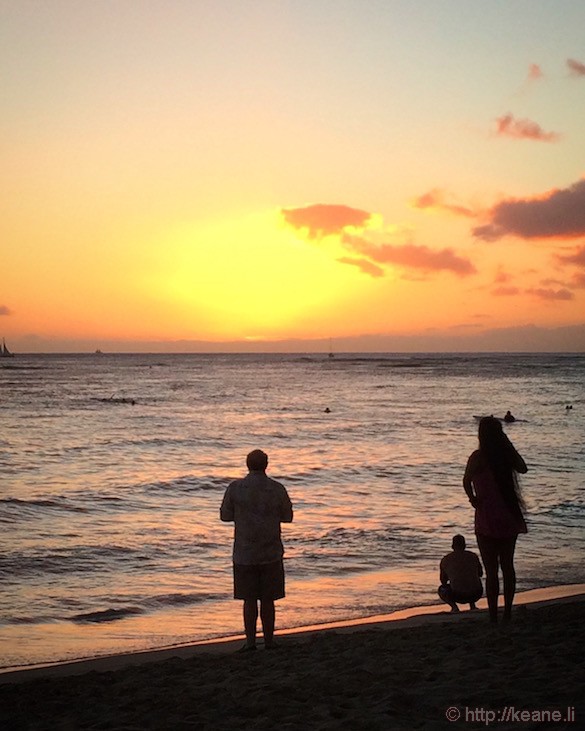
(382, 675)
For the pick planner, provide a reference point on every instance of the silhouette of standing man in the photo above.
(257, 505)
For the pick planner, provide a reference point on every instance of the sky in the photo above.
(380, 175)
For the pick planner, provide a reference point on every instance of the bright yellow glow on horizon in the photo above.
(252, 278)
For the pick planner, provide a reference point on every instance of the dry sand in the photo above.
(388, 675)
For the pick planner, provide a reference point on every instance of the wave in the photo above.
(189, 483)
(17, 565)
(111, 614)
(59, 504)
(106, 615)
(566, 514)
(180, 600)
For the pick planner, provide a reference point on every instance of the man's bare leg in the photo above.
(267, 616)
(250, 619)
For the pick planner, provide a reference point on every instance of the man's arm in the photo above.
(443, 575)
(470, 470)
(226, 512)
(519, 463)
(286, 509)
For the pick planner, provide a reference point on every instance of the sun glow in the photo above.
(250, 278)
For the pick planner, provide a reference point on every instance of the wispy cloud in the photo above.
(365, 265)
(502, 277)
(576, 68)
(437, 199)
(552, 294)
(577, 257)
(506, 291)
(578, 280)
(411, 256)
(322, 219)
(534, 72)
(523, 129)
(5, 310)
(558, 213)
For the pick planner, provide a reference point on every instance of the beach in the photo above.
(424, 672)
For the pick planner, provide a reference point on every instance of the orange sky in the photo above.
(221, 175)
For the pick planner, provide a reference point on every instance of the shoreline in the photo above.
(403, 618)
(419, 673)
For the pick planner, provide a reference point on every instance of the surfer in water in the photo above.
(509, 418)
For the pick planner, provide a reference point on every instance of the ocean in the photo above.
(113, 468)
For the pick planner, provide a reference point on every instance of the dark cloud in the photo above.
(365, 265)
(322, 219)
(412, 257)
(576, 67)
(505, 291)
(523, 129)
(435, 199)
(5, 310)
(559, 213)
(552, 294)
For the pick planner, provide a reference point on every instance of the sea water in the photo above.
(113, 468)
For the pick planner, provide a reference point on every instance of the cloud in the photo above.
(322, 219)
(578, 280)
(4, 310)
(370, 256)
(505, 291)
(366, 266)
(558, 213)
(435, 200)
(552, 294)
(502, 277)
(411, 256)
(576, 68)
(523, 129)
(534, 72)
(578, 257)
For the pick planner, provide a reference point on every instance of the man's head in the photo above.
(458, 543)
(257, 461)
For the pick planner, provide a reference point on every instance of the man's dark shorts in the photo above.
(259, 581)
(448, 595)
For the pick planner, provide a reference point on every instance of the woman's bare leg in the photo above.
(508, 574)
(488, 548)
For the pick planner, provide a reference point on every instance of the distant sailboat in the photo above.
(4, 352)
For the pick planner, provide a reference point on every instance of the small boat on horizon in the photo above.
(4, 352)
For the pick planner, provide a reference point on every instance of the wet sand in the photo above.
(416, 673)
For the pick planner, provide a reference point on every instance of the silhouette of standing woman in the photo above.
(491, 484)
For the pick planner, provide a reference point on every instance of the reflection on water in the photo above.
(111, 507)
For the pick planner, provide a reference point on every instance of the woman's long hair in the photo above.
(499, 455)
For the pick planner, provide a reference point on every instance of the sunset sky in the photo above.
(271, 174)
